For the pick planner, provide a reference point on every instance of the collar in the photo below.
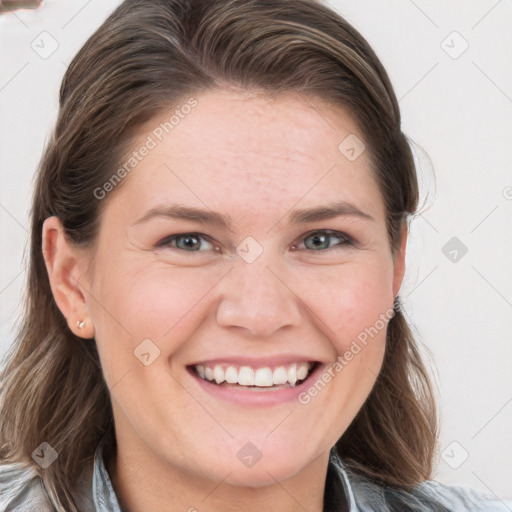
(104, 496)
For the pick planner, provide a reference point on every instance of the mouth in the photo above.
(261, 378)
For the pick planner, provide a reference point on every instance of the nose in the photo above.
(258, 297)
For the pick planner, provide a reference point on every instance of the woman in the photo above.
(218, 241)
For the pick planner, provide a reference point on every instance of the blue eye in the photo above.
(185, 241)
(321, 239)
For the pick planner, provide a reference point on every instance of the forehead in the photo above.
(252, 152)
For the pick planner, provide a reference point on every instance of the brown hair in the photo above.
(146, 56)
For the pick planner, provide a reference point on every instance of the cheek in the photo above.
(352, 301)
(158, 302)
(359, 305)
(152, 302)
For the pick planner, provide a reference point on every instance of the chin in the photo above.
(242, 471)
(262, 475)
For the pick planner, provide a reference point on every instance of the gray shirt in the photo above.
(21, 489)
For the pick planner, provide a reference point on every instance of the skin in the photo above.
(255, 159)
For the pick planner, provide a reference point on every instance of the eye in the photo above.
(189, 242)
(320, 240)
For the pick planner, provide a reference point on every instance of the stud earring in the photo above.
(80, 324)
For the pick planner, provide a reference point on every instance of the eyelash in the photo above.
(346, 240)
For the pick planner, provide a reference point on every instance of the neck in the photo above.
(153, 485)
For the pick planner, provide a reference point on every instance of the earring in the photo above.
(80, 324)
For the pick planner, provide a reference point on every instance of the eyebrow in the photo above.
(296, 217)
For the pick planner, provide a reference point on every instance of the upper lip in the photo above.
(257, 361)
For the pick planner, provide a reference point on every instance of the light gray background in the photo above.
(456, 105)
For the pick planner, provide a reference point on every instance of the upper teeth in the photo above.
(248, 376)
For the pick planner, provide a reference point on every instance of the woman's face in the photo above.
(257, 286)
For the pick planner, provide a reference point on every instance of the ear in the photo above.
(64, 264)
(399, 262)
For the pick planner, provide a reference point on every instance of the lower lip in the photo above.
(260, 396)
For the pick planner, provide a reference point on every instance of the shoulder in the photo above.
(463, 498)
(365, 495)
(22, 489)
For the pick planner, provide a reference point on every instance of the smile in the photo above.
(229, 375)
